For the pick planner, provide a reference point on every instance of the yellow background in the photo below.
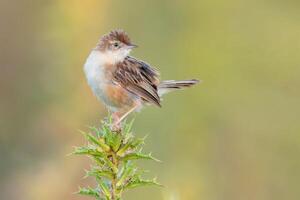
(233, 137)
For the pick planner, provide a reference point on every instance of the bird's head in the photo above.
(115, 45)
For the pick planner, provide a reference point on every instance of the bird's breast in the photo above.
(99, 76)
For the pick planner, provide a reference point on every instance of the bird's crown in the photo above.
(114, 35)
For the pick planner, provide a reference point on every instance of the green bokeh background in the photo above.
(235, 136)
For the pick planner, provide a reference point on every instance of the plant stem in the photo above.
(114, 195)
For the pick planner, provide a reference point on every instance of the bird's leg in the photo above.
(125, 115)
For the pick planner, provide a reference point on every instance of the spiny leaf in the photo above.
(117, 142)
(128, 169)
(96, 141)
(138, 174)
(127, 128)
(136, 156)
(105, 129)
(113, 140)
(130, 145)
(100, 173)
(96, 130)
(105, 189)
(140, 182)
(138, 142)
(93, 152)
(123, 150)
(88, 151)
(109, 119)
(99, 161)
(88, 192)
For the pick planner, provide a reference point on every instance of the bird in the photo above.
(123, 83)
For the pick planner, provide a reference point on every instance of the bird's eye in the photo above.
(116, 44)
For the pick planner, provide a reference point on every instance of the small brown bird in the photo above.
(122, 82)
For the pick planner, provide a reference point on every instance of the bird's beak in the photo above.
(132, 46)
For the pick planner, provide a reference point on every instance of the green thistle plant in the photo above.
(113, 154)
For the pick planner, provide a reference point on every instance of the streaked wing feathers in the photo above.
(138, 78)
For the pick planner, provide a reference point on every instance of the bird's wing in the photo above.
(138, 78)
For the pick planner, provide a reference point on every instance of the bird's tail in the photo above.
(170, 85)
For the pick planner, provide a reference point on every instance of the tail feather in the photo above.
(169, 85)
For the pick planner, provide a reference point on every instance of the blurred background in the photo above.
(235, 136)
